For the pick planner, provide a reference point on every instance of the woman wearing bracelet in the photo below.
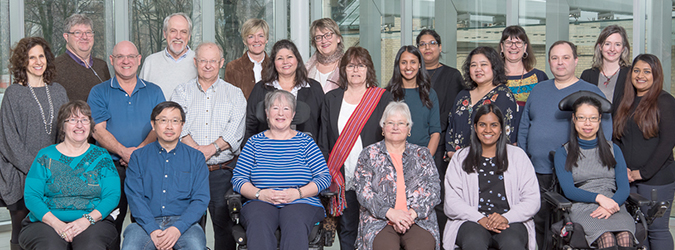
(281, 171)
(71, 189)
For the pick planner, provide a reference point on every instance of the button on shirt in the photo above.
(216, 112)
(161, 183)
(127, 117)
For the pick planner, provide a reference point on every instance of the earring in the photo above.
(525, 55)
(382, 133)
(409, 134)
(501, 54)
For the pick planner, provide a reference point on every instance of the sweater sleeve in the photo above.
(456, 206)
(245, 164)
(363, 179)
(34, 195)
(524, 126)
(317, 164)
(567, 181)
(529, 203)
(110, 186)
(621, 175)
(12, 147)
(664, 148)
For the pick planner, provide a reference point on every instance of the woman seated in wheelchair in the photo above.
(592, 174)
(281, 171)
(397, 185)
(491, 190)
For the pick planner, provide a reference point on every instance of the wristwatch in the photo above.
(257, 194)
(217, 148)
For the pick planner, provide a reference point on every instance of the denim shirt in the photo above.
(161, 183)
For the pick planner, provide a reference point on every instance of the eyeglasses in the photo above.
(74, 121)
(396, 124)
(430, 44)
(326, 36)
(121, 57)
(164, 121)
(79, 34)
(519, 44)
(351, 67)
(593, 119)
(204, 62)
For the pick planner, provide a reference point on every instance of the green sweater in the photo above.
(71, 186)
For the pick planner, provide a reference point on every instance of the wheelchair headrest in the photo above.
(567, 103)
(302, 112)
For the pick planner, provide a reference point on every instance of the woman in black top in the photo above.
(611, 63)
(643, 128)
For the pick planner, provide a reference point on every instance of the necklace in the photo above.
(610, 77)
(48, 126)
(433, 73)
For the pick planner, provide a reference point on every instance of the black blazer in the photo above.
(313, 96)
(371, 133)
(593, 74)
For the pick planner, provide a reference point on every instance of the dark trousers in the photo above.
(349, 222)
(219, 184)
(415, 238)
(122, 205)
(295, 221)
(542, 221)
(659, 231)
(442, 166)
(473, 236)
(40, 236)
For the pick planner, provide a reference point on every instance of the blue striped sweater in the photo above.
(281, 164)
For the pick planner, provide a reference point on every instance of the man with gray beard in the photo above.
(173, 65)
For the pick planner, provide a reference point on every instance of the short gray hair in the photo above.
(396, 108)
(277, 94)
(189, 21)
(207, 44)
(77, 19)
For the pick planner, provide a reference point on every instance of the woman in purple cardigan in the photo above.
(491, 190)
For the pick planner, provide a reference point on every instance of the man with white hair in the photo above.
(173, 65)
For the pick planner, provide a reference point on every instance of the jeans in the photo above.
(135, 236)
(659, 231)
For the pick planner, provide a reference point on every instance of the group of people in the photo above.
(279, 131)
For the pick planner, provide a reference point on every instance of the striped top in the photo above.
(282, 164)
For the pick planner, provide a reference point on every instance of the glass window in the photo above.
(230, 15)
(148, 21)
(4, 53)
(478, 24)
(587, 21)
(532, 17)
(46, 19)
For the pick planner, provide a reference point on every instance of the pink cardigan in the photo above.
(461, 195)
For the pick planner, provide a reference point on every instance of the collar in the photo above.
(253, 61)
(78, 60)
(383, 148)
(116, 85)
(166, 52)
(214, 86)
(160, 150)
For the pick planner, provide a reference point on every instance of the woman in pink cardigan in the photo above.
(491, 190)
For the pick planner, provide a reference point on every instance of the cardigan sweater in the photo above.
(328, 134)
(461, 195)
(312, 95)
(78, 80)
(22, 134)
(593, 74)
(240, 73)
(161, 69)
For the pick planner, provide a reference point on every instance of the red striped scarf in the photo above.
(344, 145)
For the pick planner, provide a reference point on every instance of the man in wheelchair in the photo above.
(592, 173)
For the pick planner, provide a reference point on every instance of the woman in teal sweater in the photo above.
(71, 189)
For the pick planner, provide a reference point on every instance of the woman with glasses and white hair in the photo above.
(398, 187)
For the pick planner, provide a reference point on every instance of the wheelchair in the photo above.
(318, 237)
(567, 235)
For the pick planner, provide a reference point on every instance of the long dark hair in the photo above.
(423, 80)
(573, 151)
(270, 72)
(472, 160)
(647, 114)
(498, 70)
(19, 60)
(360, 55)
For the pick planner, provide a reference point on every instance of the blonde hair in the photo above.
(324, 24)
(252, 25)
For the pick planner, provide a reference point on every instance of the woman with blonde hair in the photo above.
(323, 66)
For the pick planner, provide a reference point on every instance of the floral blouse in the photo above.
(460, 119)
(375, 179)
